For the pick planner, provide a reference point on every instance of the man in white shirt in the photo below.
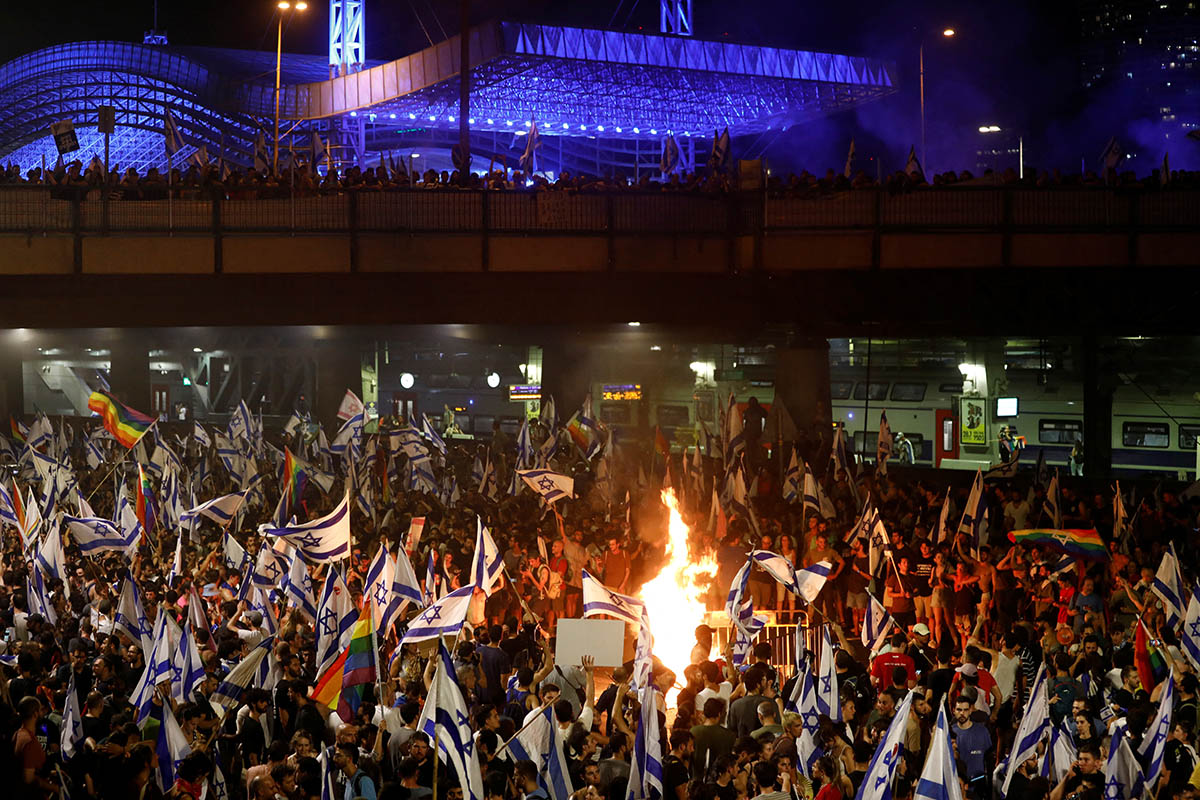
(713, 686)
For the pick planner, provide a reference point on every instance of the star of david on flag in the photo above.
(443, 618)
(321, 540)
(551, 486)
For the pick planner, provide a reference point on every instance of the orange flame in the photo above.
(675, 597)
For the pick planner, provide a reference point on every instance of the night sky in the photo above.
(1013, 63)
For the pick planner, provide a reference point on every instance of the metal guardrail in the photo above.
(37, 209)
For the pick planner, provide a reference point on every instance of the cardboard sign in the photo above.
(603, 639)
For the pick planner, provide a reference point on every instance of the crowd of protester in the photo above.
(973, 627)
(235, 182)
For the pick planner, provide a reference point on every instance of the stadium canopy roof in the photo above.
(577, 81)
(614, 89)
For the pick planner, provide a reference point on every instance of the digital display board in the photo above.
(524, 392)
(621, 391)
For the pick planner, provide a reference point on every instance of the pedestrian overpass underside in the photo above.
(608, 97)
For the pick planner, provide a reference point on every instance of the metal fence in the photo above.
(36, 210)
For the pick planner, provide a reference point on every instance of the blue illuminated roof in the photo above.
(585, 79)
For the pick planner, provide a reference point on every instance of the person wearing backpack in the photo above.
(358, 783)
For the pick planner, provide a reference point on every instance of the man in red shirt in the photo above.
(884, 663)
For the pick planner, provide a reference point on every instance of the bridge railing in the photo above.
(37, 210)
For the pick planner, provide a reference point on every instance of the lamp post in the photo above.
(947, 33)
(284, 7)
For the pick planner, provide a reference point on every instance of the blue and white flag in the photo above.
(877, 623)
(157, 670)
(187, 670)
(811, 580)
(670, 155)
(430, 579)
(541, 742)
(528, 160)
(201, 436)
(550, 485)
(1060, 755)
(322, 540)
(241, 423)
(446, 719)
(1168, 585)
(643, 652)
(939, 778)
(792, 479)
(349, 437)
(218, 789)
(220, 510)
(171, 748)
(51, 559)
(93, 454)
(378, 586)
(242, 677)
(1154, 740)
(828, 701)
(131, 618)
(298, 587)
(1034, 723)
(176, 563)
(646, 768)
(432, 435)
(336, 616)
(1191, 628)
(883, 448)
(877, 783)
(1123, 778)
(269, 567)
(525, 454)
(405, 585)
(72, 721)
(599, 599)
(740, 607)
(172, 142)
(488, 562)
(971, 524)
(806, 707)
(233, 555)
(442, 618)
(477, 471)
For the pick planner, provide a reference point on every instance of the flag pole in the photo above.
(513, 738)
(378, 665)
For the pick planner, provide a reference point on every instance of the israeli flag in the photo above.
(1154, 742)
(1060, 755)
(550, 485)
(72, 721)
(1034, 723)
(1191, 628)
(646, 769)
(201, 436)
(186, 667)
(229, 693)
(298, 587)
(533, 141)
(670, 155)
(939, 778)
(269, 567)
(877, 623)
(131, 619)
(445, 718)
(488, 563)
(877, 783)
(599, 599)
(1123, 779)
(1168, 585)
(220, 510)
(405, 585)
(442, 618)
(828, 701)
(541, 742)
(172, 142)
(232, 553)
(171, 747)
(322, 540)
(791, 479)
(432, 435)
(336, 616)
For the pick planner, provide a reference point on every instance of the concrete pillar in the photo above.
(12, 385)
(339, 367)
(1099, 383)
(802, 386)
(129, 374)
(566, 376)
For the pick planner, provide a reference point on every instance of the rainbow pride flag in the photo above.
(1073, 542)
(293, 479)
(1151, 666)
(144, 508)
(19, 431)
(344, 684)
(119, 419)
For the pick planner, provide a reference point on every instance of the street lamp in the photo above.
(284, 6)
(947, 33)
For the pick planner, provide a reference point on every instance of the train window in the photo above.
(866, 442)
(705, 407)
(840, 390)
(1059, 431)
(616, 413)
(878, 391)
(950, 388)
(510, 425)
(482, 424)
(1187, 436)
(672, 416)
(1146, 434)
(908, 392)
